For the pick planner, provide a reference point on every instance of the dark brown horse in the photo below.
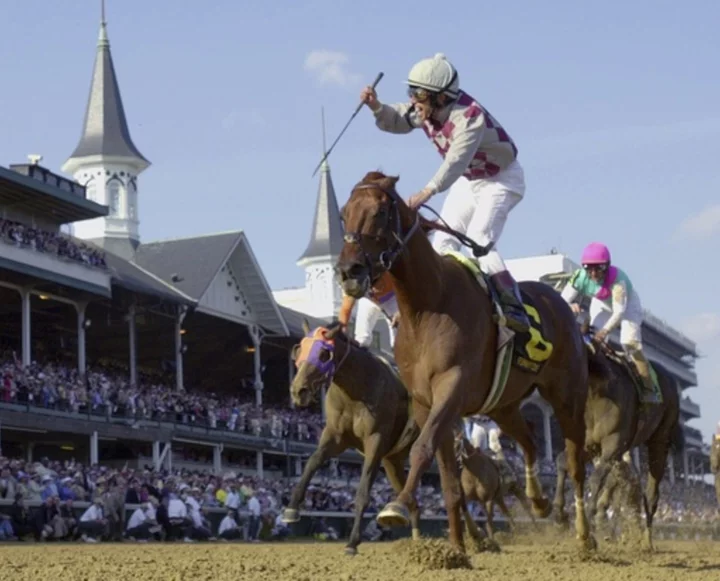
(617, 422)
(483, 481)
(367, 408)
(446, 349)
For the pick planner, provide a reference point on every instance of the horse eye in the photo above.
(324, 356)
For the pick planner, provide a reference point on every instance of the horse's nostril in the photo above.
(356, 270)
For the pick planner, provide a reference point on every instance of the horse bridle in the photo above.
(386, 258)
(328, 368)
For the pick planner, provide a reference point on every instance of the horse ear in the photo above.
(306, 326)
(332, 333)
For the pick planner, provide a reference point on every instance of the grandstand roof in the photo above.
(135, 278)
(39, 190)
(191, 264)
(294, 320)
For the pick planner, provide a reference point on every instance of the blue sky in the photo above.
(614, 107)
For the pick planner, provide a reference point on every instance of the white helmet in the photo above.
(435, 74)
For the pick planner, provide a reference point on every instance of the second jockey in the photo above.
(380, 300)
(614, 302)
(479, 161)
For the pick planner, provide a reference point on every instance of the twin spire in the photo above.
(326, 238)
(105, 130)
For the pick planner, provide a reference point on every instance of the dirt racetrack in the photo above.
(537, 560)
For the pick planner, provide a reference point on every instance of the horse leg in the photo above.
(561, 517)
(489, 513)
(395, 472)
(575, 456)
(657, 458)
(330, 445)
(435, 424)
(469, 494)
(506, 513)
(369, 472)
(519, 493)
(452, 491)
(511, 421)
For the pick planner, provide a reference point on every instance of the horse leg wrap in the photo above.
(533, 488)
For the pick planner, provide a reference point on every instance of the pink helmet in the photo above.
(595, 253)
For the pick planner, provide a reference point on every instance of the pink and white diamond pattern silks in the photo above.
(497, 149)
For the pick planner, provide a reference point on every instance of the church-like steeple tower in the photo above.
(106, 160)
(326, 242)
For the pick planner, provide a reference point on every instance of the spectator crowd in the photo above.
(54, 243)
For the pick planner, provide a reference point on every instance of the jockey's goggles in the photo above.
(600, 267)
(419, 94)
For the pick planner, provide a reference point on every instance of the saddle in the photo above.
(619, 357)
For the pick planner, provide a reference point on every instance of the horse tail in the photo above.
(678, 438)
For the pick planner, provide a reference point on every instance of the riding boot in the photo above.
(510, 301)
(643, 368)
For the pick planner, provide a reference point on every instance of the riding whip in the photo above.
(327, 153)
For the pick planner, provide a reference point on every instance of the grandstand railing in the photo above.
(431, 525)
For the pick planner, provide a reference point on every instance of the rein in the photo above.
(388, 257)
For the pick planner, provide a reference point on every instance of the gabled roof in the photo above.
(134, 277)
(191, 264)
(194, 260)
(105, 130)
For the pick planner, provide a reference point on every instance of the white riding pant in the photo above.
(479, 209)
(367, 313)
(631, 324)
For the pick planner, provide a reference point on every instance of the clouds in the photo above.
(703, 327)
(701, 225)
(331, 68)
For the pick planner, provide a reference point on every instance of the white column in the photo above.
(298, 466)
(217, 458)
(259, 464)
(94, 449)
(548, 435)
(30, 449)
(291, 376)
(686, 467)
(156, 455)
(82, 365)
(182, 311)
(26, 328)
(256, 336)
(132, 332)
(671, 469)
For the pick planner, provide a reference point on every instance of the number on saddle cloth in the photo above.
(531, 349)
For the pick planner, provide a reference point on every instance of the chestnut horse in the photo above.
(446, 350)
(368, 409)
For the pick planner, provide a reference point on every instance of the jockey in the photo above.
(480, 162)
(380, 300)
(614, 301)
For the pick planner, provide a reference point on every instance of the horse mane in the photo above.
(387, 183)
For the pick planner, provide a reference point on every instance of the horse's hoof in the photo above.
(589, 544)
(394, 515)
(541, 507)
(351, 551)
(290, 515)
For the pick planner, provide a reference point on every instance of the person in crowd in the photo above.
(93, 525)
